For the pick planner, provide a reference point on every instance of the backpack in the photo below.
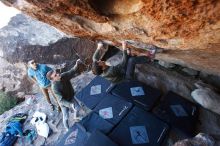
(14, 128)
(7, 139)
(20, 117)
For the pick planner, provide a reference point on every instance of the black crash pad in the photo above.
(113, 108)
(178, 112)
(94, 92)
(141, 94)
(94, 122)
(97, 138)
(139, 128)
(76, 136)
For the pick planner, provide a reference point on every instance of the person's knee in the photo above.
(45, 91)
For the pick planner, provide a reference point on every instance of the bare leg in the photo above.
(46, 94)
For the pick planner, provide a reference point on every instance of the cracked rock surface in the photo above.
(189, 31)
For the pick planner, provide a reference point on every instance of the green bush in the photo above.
(6, 102)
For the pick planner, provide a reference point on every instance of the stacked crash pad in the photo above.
(94, 92)
(123, 116)
(113, 109)
(94, 122)
(79, 136)
(178, 112)
(139, 128)
(109, 112)
(142, 95)
(76, 136)
(97, 138)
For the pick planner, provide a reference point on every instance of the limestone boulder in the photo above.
(207, 98)
(199, 140)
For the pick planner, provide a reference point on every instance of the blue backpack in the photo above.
(13, 128)
(7, 139)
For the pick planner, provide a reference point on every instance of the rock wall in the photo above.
(12, 77)
(171, 77)
(25, 38)
(189, 31)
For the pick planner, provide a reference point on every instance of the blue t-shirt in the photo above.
(40, 74)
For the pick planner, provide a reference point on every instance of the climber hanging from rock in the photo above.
(124, 70)
(64, 91)
(37, 73)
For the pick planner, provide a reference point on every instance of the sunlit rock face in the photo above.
(187, 30)
(12, 76)
(22, 33)
(24, 39)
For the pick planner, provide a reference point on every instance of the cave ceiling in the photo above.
(187, 30)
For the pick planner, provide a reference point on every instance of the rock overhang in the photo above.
(188, 31)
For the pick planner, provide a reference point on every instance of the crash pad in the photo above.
(139, 127)
(97, 138)
(76, 136)
(94, 122)
(178, 112)
(142, 95)
(94, 92)
(113, 108)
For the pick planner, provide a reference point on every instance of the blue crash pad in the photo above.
(94, 92)
(178, 112)
(142, 95)
(76, 136)
(97, 138)
(139, 128)
(94, 122)
(118, 108)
